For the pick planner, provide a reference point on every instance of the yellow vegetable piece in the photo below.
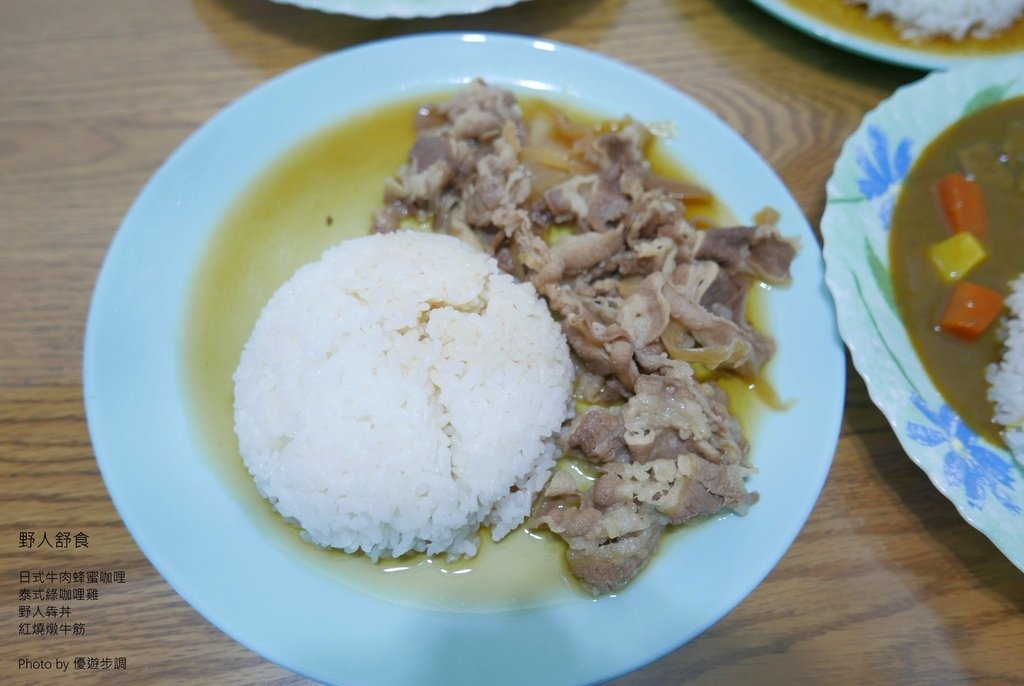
(957, 255)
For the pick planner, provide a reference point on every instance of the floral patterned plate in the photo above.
(980, 478)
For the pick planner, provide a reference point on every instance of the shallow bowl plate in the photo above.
(210, 549)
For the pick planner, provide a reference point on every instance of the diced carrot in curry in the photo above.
(970, 309)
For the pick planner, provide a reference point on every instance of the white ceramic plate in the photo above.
(215, 556)
(981, 479)
(909, 55)
(400, 9)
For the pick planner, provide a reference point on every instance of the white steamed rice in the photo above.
(1006, 377)
(401, 392)
(954, 18)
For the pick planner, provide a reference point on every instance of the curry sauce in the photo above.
(977, 146)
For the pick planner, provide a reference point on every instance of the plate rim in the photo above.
(400, 9)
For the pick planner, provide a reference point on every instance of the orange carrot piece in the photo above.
(970, 309)
(963, 203)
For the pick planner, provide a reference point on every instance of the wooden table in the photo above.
(885, 584)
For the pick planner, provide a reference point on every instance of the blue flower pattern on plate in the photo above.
(968, 463)
(882, 171)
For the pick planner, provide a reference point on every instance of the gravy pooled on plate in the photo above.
(307, 201)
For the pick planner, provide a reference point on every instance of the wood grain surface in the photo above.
(886, 584)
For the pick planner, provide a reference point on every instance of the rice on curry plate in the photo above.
(956, 19)
(651, 305)
(957, 28)
(958, 268)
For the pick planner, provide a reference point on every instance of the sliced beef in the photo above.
(759, 251)
(641, 293)
(480, 112)
(577, 253)
(608, 567)
(597, 435)
(646, 313)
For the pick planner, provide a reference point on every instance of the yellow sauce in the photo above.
(854, 19)
(316, 196)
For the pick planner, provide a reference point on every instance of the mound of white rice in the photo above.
(401, 392)
(1006, 378)
(953, 18)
